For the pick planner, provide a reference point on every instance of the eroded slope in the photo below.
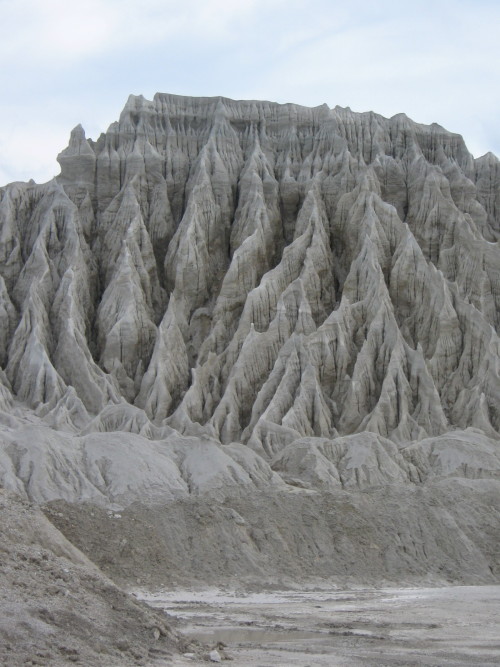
(320, 287)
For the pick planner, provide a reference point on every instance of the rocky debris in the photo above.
(441, 532)
(57, 608)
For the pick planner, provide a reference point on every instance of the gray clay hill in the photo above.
(244, 338)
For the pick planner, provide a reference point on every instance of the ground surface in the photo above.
(459, 625)
(57, 608)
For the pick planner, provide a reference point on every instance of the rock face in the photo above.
(253, 294)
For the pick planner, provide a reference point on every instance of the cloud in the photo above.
(30, 152)
(52, 31)
(63, 63)
(435, 64)
(58, 33)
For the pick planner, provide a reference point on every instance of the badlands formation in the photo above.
(243, 339)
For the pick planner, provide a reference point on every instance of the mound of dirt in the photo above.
(433, 534)
(57, 608)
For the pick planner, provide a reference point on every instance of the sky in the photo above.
(64, 63)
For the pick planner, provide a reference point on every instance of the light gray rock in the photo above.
(214, 656)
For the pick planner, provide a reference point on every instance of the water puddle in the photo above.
(239, 636)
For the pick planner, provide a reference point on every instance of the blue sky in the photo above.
(64, 63)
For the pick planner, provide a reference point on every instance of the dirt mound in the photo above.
(436, 533)
(56, 608)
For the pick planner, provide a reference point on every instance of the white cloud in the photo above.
(434, 65)
(58, 32)
(62, 63)
(52, 31)
(30, 152)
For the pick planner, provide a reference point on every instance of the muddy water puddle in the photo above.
(252, 636)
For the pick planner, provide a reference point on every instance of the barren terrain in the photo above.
(410, 626)
(252, 344)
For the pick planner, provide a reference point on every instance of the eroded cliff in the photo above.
(250, 294)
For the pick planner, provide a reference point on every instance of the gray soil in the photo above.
(56, 608)
(410, 627)
(436, 534)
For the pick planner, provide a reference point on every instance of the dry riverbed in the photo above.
(458, 625)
